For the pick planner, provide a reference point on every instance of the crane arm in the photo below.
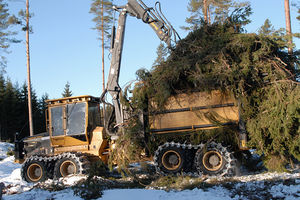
(158, 23)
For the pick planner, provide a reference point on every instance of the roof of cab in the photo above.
(76, 99)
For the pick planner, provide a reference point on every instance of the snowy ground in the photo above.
(257, 186)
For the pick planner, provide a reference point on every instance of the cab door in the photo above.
(68, 125)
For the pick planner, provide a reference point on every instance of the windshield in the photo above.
(76, 118)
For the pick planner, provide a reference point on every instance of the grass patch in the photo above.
(179, 183)
(10, 152)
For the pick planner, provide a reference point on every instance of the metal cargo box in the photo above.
(199, 110)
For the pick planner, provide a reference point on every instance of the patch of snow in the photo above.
(72, 180)
(43, 194)
(10, 175)
(256, 177)
(285, 191)
(4, 148)
(7, 166)
(216, 193)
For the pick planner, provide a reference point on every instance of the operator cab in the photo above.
(70, 120)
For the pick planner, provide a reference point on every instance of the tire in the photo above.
(34, 171)
(66, 167)
(169, 159)
(70, 163)
(215, 159)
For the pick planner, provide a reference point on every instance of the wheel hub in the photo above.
(67, 168)
(171, 160)
(212, 160)
(34, 172)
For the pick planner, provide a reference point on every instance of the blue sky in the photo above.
(64, 47)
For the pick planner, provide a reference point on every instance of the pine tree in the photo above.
(277, 36)
(10, 102)
(22, 107)
(43, 104)
(297, 7)
(288, 25)
(102, 9)
(41, 124)
(267, 28)
(6, 36)
(162, 53)
(67, 92)
(14, 110)
(25, 18)
(210, 11)
(2, 106)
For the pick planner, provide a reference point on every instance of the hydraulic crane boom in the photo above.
(159, 24)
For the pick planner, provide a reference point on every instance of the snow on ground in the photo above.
(10, 175)
(256, 186)
(195, 194)
(4, 148)
(128, 194)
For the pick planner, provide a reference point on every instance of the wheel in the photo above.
(66, 167)
(215, 159)
(169, 159)
(70, 163)
(34, 171)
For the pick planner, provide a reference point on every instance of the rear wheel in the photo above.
(66, 167)
(169, 159)
(70, 163)
(215, 159)
(34, 171)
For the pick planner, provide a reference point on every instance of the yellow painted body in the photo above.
(92, 142)
(98, 145)
(199, 110)
(184, 112)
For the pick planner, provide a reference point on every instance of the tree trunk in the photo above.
(103, 75)
(205, 10)
(28, 70)
(102, 24)
(209, 17)
(288, 25)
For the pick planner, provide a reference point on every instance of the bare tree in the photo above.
(288, 25)
(205, 10)
(102, 10)
(28, 70)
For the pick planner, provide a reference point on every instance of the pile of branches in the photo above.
(255, 68)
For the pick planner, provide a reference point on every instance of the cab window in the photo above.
(76, 118)
(57, 121)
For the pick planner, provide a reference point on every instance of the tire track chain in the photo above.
(229, 169)
(189, 152)
(192, 161)
(49, 162)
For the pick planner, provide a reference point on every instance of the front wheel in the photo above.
(71, 163)
(66, 167)
(34, 171)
